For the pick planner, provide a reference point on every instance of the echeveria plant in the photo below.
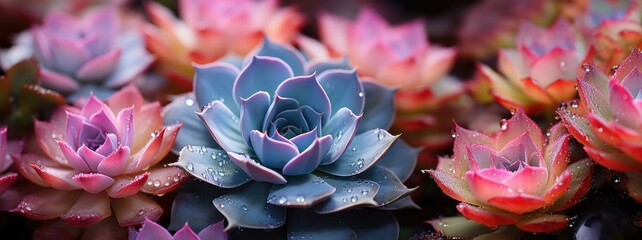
(100, 159)
(96, 52)
(540, 73)
(608, 117)
(210, 29)
(515, 177)
(291, 144)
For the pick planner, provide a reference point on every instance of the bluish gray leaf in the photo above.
(286, 53)
(224, 126)
(343, 89)
(253, 111)
(379, 110)
(300, 191)
(390, 187)
(313, 96)
(193, 132)
(350, 192)
(261, 74)
(401, 159)
(379, 224)
(247, 207)
(212, 166)
(193, 204)
(403, 203)
(363, 152)
(342, 127)
(215, 82)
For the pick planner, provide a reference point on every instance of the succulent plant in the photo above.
(97, 159)
(606, 120)
(540, 73)
(284, 152)
(7, 148)
(209, 30)
(96, 52)
(394, 56)
(515, 177)
(152, 231)
(614, 29)
(22, 99)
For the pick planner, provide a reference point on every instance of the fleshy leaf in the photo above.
(300, 191)
(363, 152)
(255, 170)
(313, 96)
(193, 205)
(290, 56)
(379, 108)
(247, 207)
(193, 132)
(343, 89)
(253, 111)
(459, 227)
(224, 126)
(261, 74)
(88, 210)
(212, 166)
(390, 187)
(342, 127)
(215, 82)
(401, 159)
(350, 192)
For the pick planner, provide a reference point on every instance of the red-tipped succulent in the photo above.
(100, 159)
(210, 29)
(540, 73)
(607, 120)
(515, 176)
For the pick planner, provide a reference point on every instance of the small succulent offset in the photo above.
(95, 52)
(98, 159)
(608, 117)
(394, 56)
(540, 73)
(293, 145)
(152, 231)
(515, 177)
(211, 29)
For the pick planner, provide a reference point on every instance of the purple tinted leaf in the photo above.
(286, 53)
(309, 160)
(224, 127)
(342, 127)
(253, 111)
(261, 74)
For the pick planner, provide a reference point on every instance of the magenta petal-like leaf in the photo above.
(164, 179)
(91, 157)
(58, 178)
(255, 170)
(125, 186)
(93, 182)
(151, 230)
(115, 163)
(72, 158)
(6, 181)
(214, 231)
(46, 204)
(186, 233)
(88, 210)
(125, 122)
(133, 210)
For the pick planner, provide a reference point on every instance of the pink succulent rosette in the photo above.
(97, 51)
(614, 28)
(607, 120)
(98, 160)
(210, 29)
(395, 56)
(7, 148)
(540, 73)
(514, 177)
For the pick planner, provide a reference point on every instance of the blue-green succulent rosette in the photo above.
(283, 139)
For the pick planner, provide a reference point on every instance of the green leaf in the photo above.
(24, 72)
